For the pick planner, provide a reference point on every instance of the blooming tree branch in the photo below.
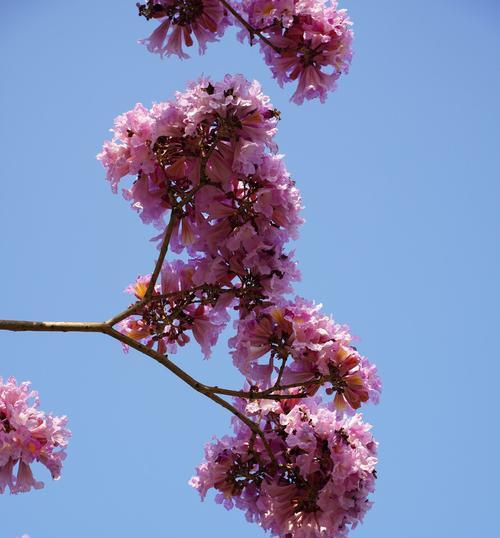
(107, 328)
(206, 173)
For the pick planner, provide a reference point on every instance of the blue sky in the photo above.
(399, 173)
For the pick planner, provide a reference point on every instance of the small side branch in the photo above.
(161, 256)
(175, 217)
(256, 395)
(251, 30)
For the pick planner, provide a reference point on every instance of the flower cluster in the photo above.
(27, 435)
(308, 41)
(178, 307)
(318, 481)
(207, 162)
(311, 43)
(208, 175)
(180, 20)
(311, 349)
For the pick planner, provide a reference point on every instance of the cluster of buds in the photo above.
(308, 41)
(207, 174)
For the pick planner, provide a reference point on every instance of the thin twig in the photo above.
(315, 381)
(281, 371)
(131, 310)
(204, 180)
(251, 30)
(269, 394)
(254, 395)
(161, 256)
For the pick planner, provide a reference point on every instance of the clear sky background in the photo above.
(399, 173)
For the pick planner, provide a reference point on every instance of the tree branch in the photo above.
(107, 328)
(192, 382)
(52, 326)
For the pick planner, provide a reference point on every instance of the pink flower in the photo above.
(347, 380)
(25, 480)
(312, 43)
(313, 347)
(238, 223)
(231, 121)
(319, 482)
(27, 435)
(179, 20)
(177, 308)
(265, 13)
(306, 40)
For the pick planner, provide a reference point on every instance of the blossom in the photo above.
(27, 435)
(207, 163)
(319, 483)
(311, 43)
(130, 152)
(314, 348)
(176, 310)
(265, 13)
(179, 20)
(348, 379)
(210, 155)
(308, 41)
(163, 147)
